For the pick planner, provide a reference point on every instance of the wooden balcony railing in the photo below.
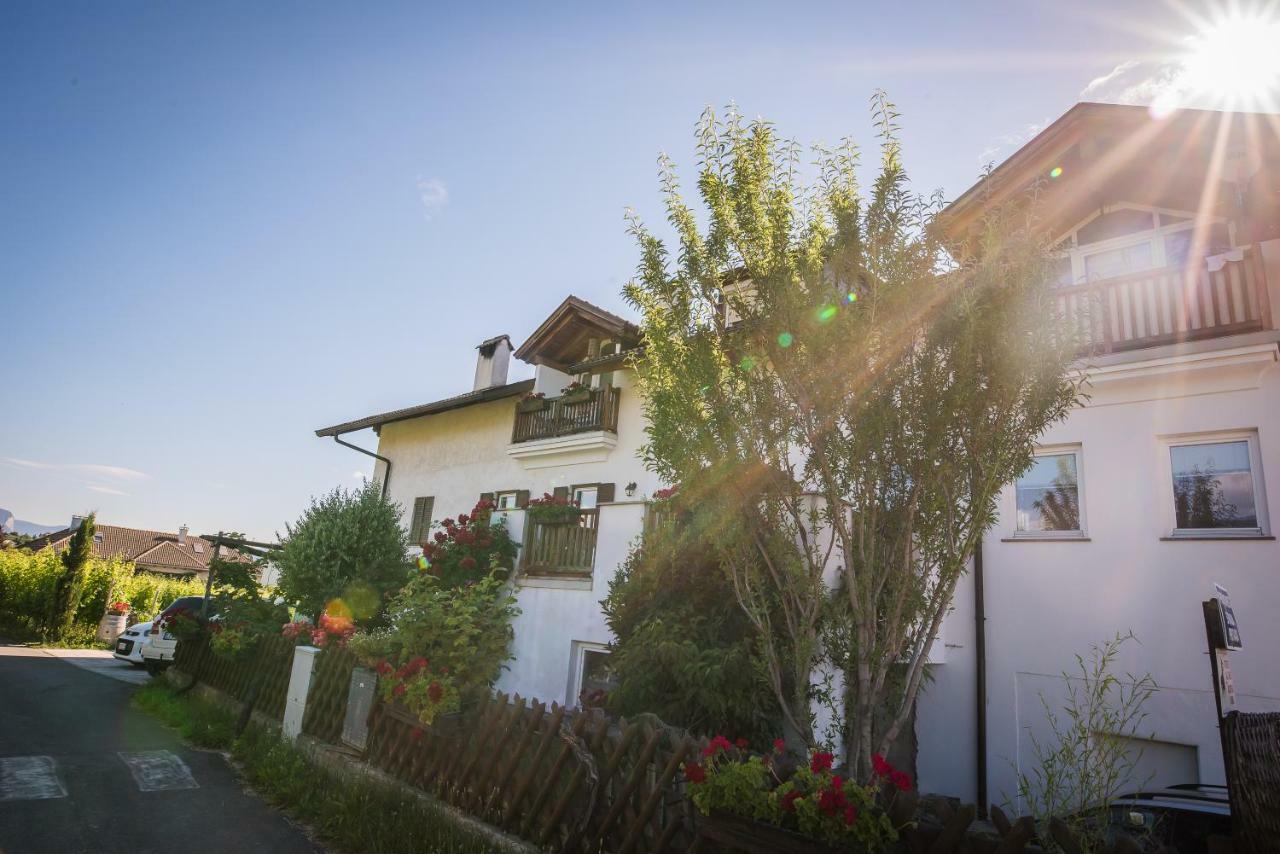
(1169, 305)
(562, 416)
(555, 548)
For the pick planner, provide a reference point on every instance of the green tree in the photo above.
(70, 584)
(348, 548)
(845, 398)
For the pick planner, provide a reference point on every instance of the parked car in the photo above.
(157, 653)
(129, 645)
(1182, 817)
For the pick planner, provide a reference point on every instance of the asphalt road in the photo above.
(81, 770)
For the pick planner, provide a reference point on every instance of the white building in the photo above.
(1143, 499)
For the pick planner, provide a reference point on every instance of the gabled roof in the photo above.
(158, 551)
(562, 338)
(484, 395)
(1096, 155)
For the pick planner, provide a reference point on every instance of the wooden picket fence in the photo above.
(269, 662)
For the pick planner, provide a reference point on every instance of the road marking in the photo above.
(29, 778)
(158, 771)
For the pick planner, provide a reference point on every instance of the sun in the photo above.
(1235, 58)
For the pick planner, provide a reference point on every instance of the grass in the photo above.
(356, 815)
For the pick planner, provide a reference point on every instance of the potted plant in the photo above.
(113, 622)
(576, 392)
(533, 401)
(554, 510)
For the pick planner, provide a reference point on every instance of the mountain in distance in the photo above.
(19, 526)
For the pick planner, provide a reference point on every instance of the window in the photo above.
(592, 679)
(1118, 262)
(1048, 495)
(420, 521)
(1128, 240)
(508, 500)
(1214, 489)
(585, 497)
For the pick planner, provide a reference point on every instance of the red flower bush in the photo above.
(820, 762)
(468, 547)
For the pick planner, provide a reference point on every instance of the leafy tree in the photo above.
(347, 546)
(70, 584)
(684, 650)
(845, 398)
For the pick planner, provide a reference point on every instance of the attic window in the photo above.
(97, 538)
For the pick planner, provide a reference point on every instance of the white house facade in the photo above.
(1164, 483)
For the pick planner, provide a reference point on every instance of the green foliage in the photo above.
(470, 547)
(28, 580)
(684, 650)
(462, 635)
(199, 721)
(348, 545)
(69, 585)
(1086, 761)
(860, 414)
(245, 613)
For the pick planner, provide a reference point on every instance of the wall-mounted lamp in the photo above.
(630, 489)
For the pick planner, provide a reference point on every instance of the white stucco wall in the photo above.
(455, 456)
(1046, 601)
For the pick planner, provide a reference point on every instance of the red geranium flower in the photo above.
(789, 801)
(384, 667)
(717, 744)
(435, 692)
(850, 815)
(820, 762)
(441, 537)
(695, 773)
(880, 766)
(779, 745)
(901, 779)
(463, 518)
(468, 563)
(741, 744)
(399, 690)
(831, 801)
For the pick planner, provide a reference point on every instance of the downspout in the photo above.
(980, 677)
(386, 475)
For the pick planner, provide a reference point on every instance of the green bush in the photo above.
(28, 581)
(685, 650)
(347, 546)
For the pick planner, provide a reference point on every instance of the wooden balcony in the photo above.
(560, 548)
(1168, 306)
(564, 416)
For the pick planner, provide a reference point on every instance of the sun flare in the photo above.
(1236, 58)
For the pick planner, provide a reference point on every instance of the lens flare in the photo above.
(785, 340)
(826, 313)
(851, 297)
(1055, 172)
(747, 364)
(423, 563)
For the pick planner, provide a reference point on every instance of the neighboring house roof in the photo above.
(483, 395)
(1096, 155)
(157, 551)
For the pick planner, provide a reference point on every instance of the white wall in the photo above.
(1046, 601)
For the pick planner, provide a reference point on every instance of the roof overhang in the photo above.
(1110, 153)
(483, 395)
(562, 338)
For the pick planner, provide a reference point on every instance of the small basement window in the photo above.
(593, 677)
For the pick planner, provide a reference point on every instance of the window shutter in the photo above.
(522, 498)
(486, 496)
(560, 492)
(604, 493)
(421, 520)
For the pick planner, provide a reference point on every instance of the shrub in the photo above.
(469, 548)
(684, 649)
(69, 586)
(347, 545)
(456, 637)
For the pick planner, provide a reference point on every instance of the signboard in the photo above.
(1226, 682)
(1230, 628)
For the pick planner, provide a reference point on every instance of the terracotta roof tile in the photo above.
(157, 550)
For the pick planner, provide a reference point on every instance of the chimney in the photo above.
(75, 522)
(492, 363)
(182, 535)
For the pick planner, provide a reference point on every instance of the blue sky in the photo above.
(225, 225)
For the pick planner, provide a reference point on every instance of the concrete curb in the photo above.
(341, 761)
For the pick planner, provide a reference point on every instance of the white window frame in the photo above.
(1168, 443)
(1076, 449)
(576, 491)
(577, 668)
(499, 497)
(1154, 236)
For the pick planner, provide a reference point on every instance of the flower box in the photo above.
(738, 833)
(111, 626)
(532, 404)
(579, 396)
